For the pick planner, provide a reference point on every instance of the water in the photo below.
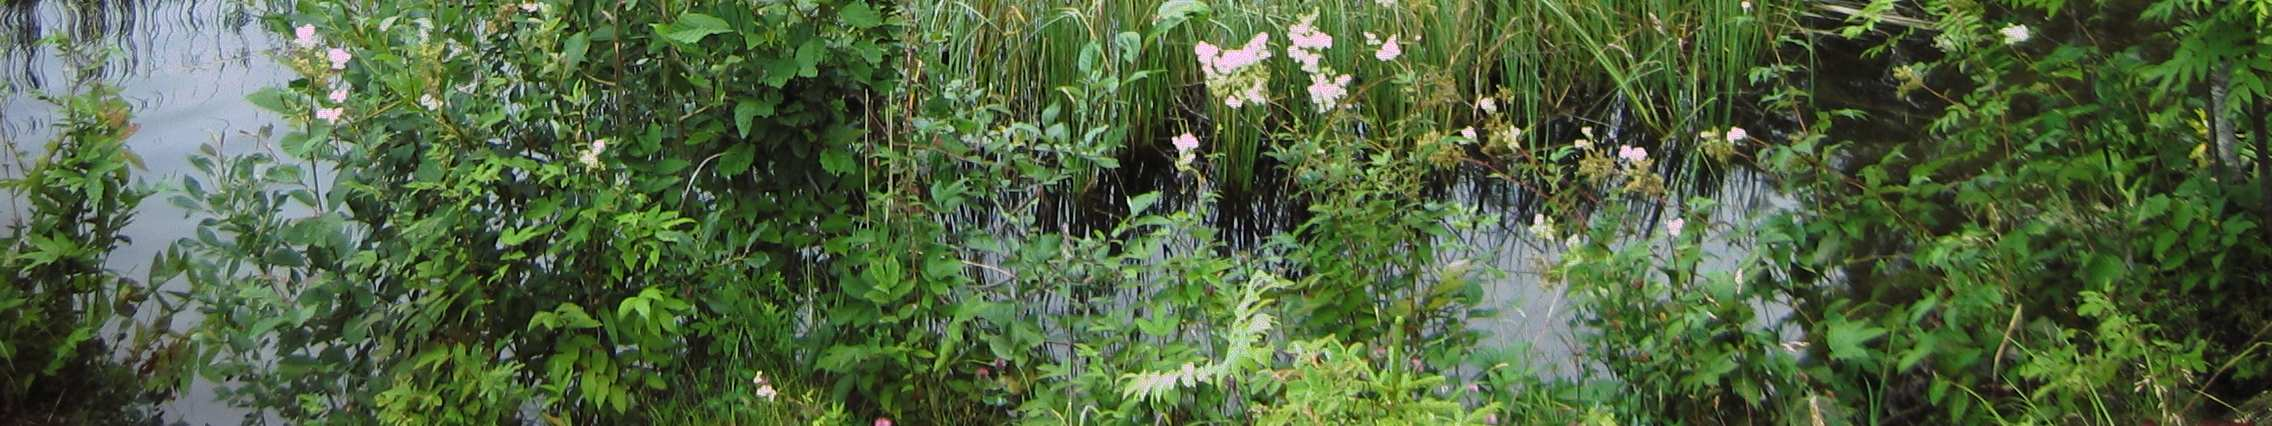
(186, 67)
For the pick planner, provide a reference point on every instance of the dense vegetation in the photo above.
(1181, 211)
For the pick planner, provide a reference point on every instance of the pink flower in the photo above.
(883, 421)
(339, 58)
(1389, 50)
(1467, 133)
(1306, 36)
(530, 7)
(1207, 53)
(1185, 143)
(1736, 134)
(1327, 91)
(339, 95)
(305, 37)
(1632, 153)
(330, 115)
(1675, 225)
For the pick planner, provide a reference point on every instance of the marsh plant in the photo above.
(997, 211)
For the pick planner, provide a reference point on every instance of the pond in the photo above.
(187, 66)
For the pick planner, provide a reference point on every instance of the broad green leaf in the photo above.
(860, 16)
(693, 27)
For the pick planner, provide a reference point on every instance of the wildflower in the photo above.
(1308, 44)
(1327, 91)
(591, 157)
(1675, 225)
(339, 95)
(1207, 53)
(1185, 143)
(339, 58)
(883, 421)
(1584, 144)
(531, 7)
(1747, 6)
(305, 37)
(1513, 137)
(1467, 133)
(983, 372)
(2015, 34)
(1491, 418)
(1489, 105)
(1632, 153)
(330, 115)
(1540, 226)
(1389, 50)
(1737, 134)
(429, 102)
(767, 392)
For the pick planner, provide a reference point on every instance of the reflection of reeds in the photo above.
(1651, 72)
(133, 26)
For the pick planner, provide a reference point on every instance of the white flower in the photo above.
(1737, 134)
(2015, 34)
(767, 392)
(1747, 6)
(429, 102)
(1675, 225)
(1489, 105)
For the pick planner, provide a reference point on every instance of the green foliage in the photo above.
(494, 225)
(68, 211)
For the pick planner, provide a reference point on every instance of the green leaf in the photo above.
(693, 27)
(1846, 339)
(271, 99)
(737, 160)
(573, 51)
(836, 162)
(860, 16)
(748, 110)
(1138, 204)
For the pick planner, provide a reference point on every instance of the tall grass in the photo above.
(1672, 66)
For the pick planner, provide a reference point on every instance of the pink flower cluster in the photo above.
(1184, 145)
(305, 37)
(1632, 153)
(1309, 45)
(1230, 73)
(1389, 49)
(1327, 90)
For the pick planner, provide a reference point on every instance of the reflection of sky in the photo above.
(185, 67)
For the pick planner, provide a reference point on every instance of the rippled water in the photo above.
(186, 67)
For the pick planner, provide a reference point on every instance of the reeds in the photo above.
(1672, 67)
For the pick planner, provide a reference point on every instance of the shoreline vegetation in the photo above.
(886, 212)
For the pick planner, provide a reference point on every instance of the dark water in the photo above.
(186, 66)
